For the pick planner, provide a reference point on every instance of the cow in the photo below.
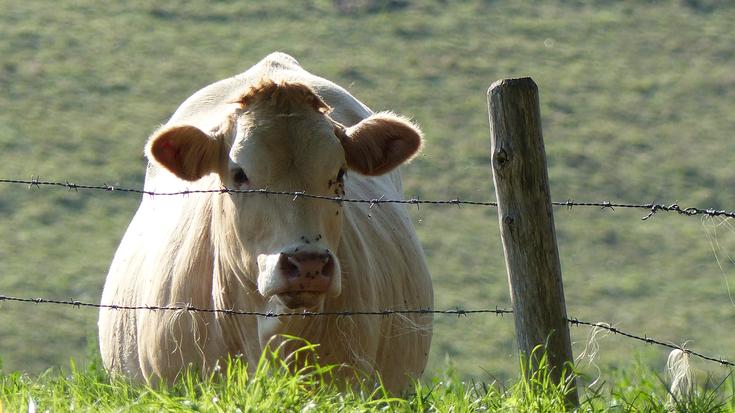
(275, 127)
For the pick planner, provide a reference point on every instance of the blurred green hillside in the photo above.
(637, 104)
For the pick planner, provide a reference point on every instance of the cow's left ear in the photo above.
(380, 143)
(186, 151)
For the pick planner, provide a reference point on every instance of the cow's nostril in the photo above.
(307, 265)
(288, 267)
(328, 269)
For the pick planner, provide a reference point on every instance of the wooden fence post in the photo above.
(527, 223)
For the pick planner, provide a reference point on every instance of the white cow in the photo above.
(276, 126)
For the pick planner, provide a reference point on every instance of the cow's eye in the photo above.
(341, 175)
(239, 177)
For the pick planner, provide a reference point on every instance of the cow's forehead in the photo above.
(279, 145)
(304, 132)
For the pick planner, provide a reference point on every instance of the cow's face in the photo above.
(280, 138)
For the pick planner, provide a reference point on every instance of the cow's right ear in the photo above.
(186, 151)
(379, 143)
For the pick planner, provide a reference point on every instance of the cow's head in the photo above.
(280, 137)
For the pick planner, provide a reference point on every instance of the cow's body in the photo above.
(182, 250)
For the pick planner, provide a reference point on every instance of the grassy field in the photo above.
(275, 387)
(636, 98)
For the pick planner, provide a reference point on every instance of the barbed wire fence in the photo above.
(307, 314)
(651, 209)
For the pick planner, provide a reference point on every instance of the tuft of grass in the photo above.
(638, 389)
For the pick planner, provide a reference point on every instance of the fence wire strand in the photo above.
(305, 314)
(651, 207)
(577, 322)
(75, 303)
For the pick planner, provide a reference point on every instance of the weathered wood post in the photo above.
(527, 223)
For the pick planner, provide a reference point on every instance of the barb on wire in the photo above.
(651, 208)
(576, 322)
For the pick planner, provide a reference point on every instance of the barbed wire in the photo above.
(224, 190)
(577, 322)
(651, 208)
(305, 314)
(75, 303)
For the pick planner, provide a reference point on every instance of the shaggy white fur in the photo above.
(214, 250)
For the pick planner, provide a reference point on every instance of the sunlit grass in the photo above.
(275, 385)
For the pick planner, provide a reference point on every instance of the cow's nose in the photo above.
(307, 271)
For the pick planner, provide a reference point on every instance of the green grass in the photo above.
(275, 386)
(636, 100)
